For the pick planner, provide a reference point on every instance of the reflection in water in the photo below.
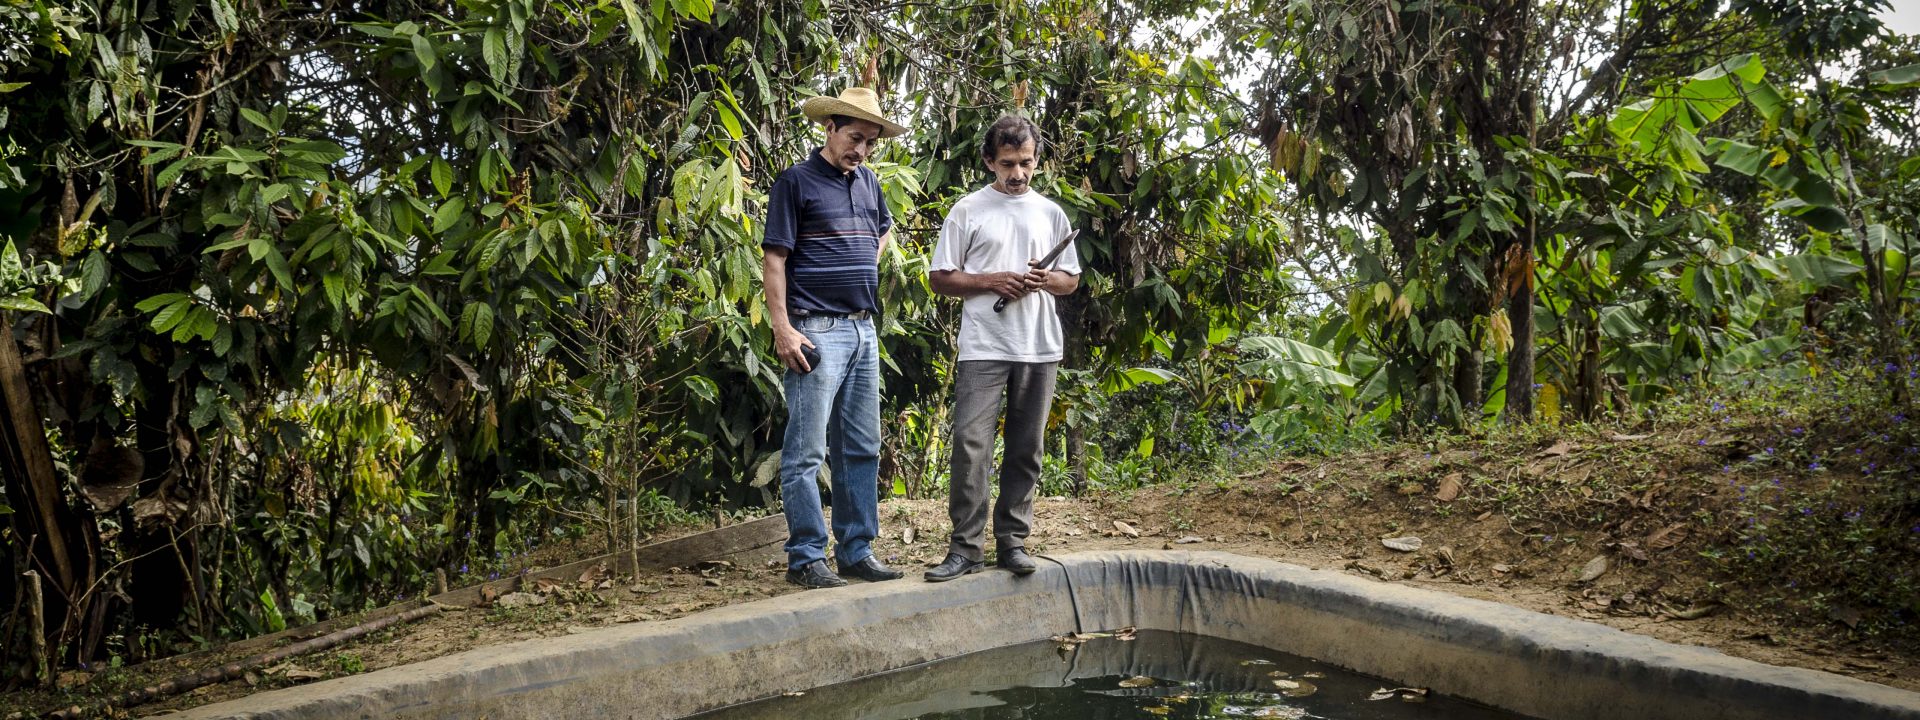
(1160, 674)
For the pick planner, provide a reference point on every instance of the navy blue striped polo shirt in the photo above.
(831, 223)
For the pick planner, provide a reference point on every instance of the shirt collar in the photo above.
(820, 165)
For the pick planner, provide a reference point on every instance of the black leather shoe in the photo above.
(1017, 560)
(814, 575)
(871, 570)
(954, 566)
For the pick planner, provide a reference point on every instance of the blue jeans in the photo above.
(833, 415)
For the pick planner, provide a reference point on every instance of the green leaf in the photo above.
(258, 119)
(159, 301)
(1738, 156)
(336, 287)
(10, 87)
(93, 275)
(278, 264)
(22, 303)
(704, 388)
(171, 172)
(275, 621)
(494, 50)
(476, 324)
(442, 177)
(448, 214)
(170, 317)
(1895, 78)
(1124, 380)
(423, 51)
(729, 121)
(1818, 270)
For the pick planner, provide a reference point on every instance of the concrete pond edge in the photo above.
(1535, 664)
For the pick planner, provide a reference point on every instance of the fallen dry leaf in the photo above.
(1408, 543)
(1137, 681)
(1668, 536)
(1617, 437)
(1189, 540)
(1594, 569)
(1125, 529)
(907, 536)
(1694, 613)
(1449, 488)
(1560, 448)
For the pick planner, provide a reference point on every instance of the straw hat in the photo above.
(854, 102)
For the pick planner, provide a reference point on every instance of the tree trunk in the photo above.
(56, 536)
(1466, 385)
(1519, 408)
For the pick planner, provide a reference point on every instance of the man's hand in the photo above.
(1036, 277)
(787, 343)
(1009, 285)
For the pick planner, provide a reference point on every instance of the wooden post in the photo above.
(36, 629)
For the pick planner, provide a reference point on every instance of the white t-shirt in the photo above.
(990, 231)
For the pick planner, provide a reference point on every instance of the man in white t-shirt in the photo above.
(987, 252)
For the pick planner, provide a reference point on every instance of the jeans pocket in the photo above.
(816, 324)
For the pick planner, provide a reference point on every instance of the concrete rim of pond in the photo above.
(1534, 664)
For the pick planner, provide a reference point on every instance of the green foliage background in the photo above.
(312, 300)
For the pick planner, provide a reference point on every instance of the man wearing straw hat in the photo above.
(826, 224)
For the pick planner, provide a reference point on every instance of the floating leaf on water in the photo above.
(1255, 661)
(1313, 675)
(1137, 681)
(1280, 674)
(1409, 694)
(1295, 688)
(1281, 713)
(1403, 544)
(1594, 569)
(1125, 529)
(793, 693)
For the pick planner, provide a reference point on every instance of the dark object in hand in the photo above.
(812, 356)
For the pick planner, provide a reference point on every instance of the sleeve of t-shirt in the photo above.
(783, 216)
(950, 252)
(1069, 261)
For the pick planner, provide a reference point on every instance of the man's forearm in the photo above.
(1062, 283)
(957, 283)
(773, 268)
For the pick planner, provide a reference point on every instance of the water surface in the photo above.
(1159, 674)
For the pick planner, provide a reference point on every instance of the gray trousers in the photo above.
(980, 389)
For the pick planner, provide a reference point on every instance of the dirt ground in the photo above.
(1640, 566)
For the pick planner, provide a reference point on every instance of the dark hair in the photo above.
(837, 122)
(1010, 131)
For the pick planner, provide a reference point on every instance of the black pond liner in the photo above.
(1525, 662)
